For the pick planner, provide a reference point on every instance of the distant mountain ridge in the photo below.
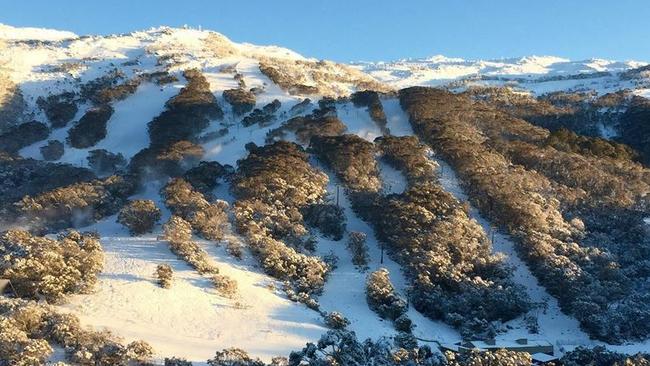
(537, 74)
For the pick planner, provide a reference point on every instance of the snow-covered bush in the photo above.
(139, 216)
(176, 362)
(359, 249)
(91, 128)
(241, 100)
(52, 151)
(235, 248)
(500, 357)
(336, 320)
(177, 230)
(234, 357)
(225, 286)
(164, 274)
(403, 324)
(39, 267)
(178, 233)
(105, 162)
(140, 352)
(59, 108)
(381, 296)
(327, 217)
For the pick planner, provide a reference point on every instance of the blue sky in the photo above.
(373, 29)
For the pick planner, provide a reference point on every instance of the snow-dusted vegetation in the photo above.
(171, 197)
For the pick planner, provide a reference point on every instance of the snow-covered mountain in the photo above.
(56, 79)
(537, 74)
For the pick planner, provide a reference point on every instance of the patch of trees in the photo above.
(209, 220)
(205, 176)
(446, 255)
(23, 135)
(341, 347)
(75, 205)
(593, 282)
(186, 114)
(44, 268)
(27, 328)
(172, 160)
(304, 128)
(262, 116)
(284, 81)
(112, 93)
(110, 87)
(500, 357)
(161, 77)
(568, 141)
(139, 216)
(574, 111)
(91, 128)
(93, 89)
(300, 77)
(241, 100)
(583, 181)
(272, 185)
(59, 108)
(21, 177)
(599, 355)
(352, 159)
(635, 129)
(53, 150)
(370, 100)
(178, 233)
(409, 156)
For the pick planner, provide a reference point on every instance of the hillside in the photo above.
(197, 194)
